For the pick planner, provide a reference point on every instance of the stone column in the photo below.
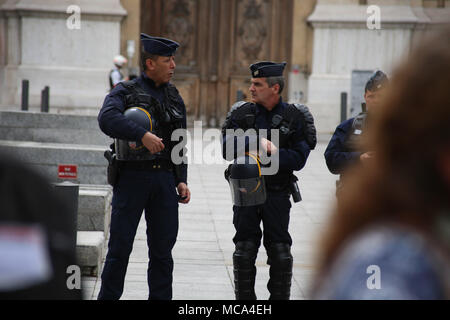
(301, 51)
(130, 34)
(41, 42)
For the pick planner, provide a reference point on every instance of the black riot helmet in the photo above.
(246, 182)
(135, 150)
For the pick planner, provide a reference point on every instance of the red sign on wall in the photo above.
(66, 171)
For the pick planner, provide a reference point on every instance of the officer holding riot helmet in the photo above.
(344, 148)
(258, 197)
(141, 115)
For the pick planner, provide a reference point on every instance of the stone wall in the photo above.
(342, 42)
(37, 44)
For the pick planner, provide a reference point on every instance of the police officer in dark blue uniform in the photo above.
(344, 148)
(297, 137)
(147, 181)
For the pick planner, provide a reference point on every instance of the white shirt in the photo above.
(116, 76)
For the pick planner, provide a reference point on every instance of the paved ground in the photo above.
(203, 252)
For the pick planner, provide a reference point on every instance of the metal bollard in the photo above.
(239, 95)
(25, 92)
(68, 193)
(45, 99)
(343, 106)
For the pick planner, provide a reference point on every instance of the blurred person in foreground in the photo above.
(36, 248)
(390, 235)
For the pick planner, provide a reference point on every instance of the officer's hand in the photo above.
(152, 143)
(184, 192)
(366, 156)
(268, 146)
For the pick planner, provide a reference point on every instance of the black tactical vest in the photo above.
(166, 117)
(244, 113)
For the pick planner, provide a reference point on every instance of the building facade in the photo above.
(66, 45)
(323, 41)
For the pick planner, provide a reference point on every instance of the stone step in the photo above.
(94, 208)
(90, 249)
(45, 158)
(49, 127)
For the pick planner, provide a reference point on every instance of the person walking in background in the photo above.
(115, 76)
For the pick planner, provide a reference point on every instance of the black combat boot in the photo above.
(244, 270)
(280, 261)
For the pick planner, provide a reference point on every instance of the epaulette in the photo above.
(243, 113)
(301, 113)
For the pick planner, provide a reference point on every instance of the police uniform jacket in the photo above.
(113, 123)
(292, 157)
(338, 154)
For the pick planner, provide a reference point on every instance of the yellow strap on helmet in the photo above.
(256, 159)
(148, 115)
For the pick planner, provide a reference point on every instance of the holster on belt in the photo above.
(113, 167)
(284, 182)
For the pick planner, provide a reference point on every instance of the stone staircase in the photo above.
(54, 128)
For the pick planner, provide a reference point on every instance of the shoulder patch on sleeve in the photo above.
(238, 112)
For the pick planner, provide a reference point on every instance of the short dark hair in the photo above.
(377, 81)
(271, 81)
(144, 57)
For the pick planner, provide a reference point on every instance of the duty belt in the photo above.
(278, 183)
(153, 165)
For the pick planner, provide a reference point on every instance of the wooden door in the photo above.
(219, 40)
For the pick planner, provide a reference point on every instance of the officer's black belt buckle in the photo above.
(153, 165)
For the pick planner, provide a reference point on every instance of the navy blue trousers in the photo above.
(274, 214)
(155, 193)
